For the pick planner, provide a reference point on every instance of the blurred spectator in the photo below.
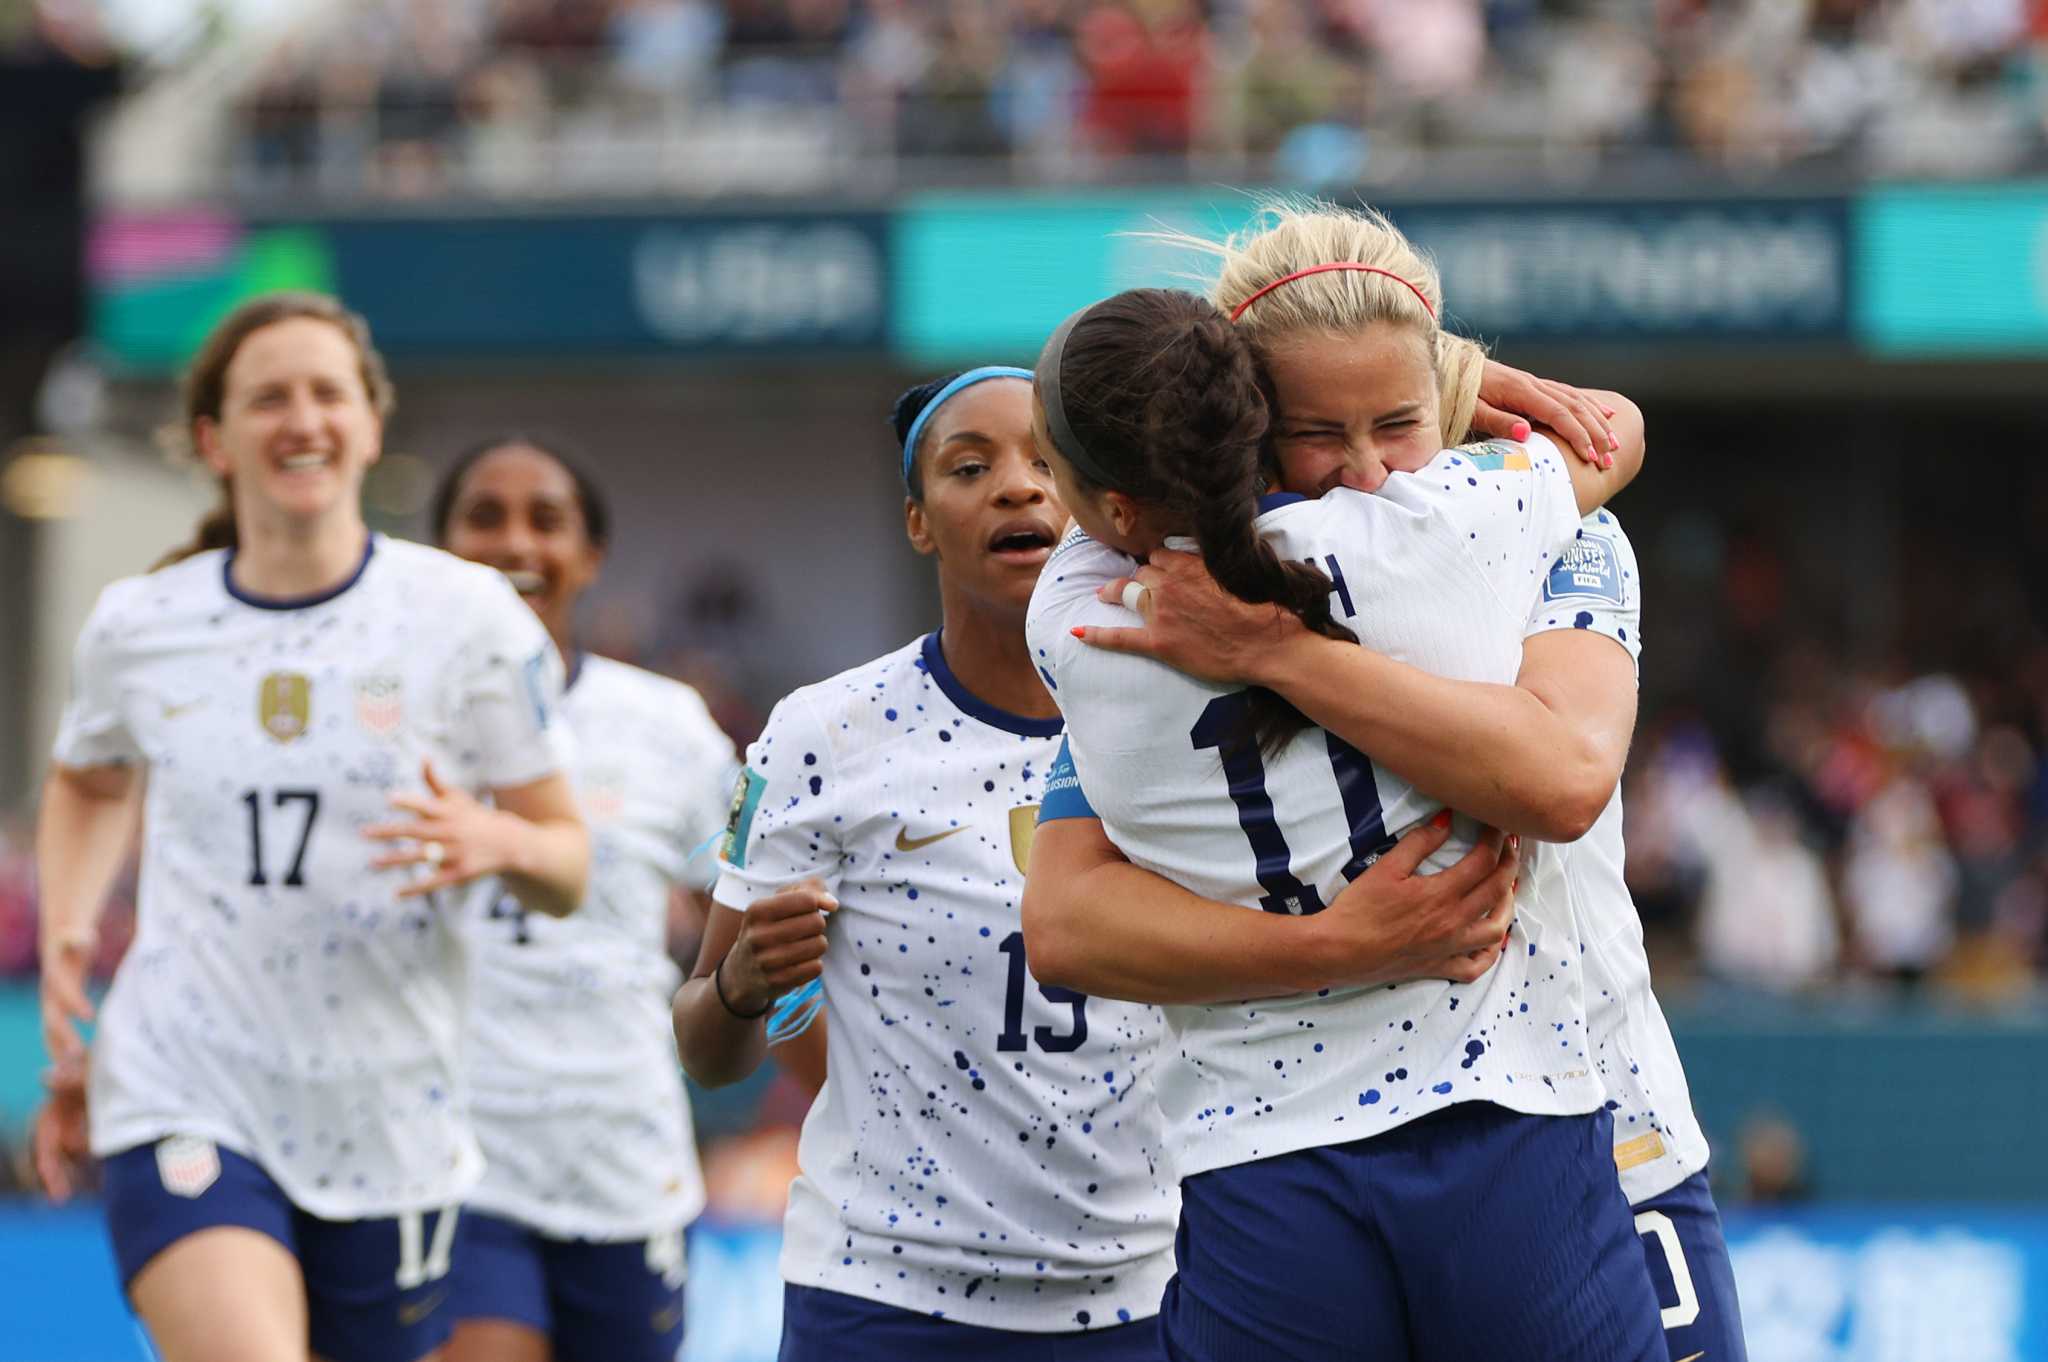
(1900, 881)
(1767, 917)
(1050, 89)
(1772, 1156)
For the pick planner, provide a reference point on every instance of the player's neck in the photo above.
(285, 559)
(990, 656)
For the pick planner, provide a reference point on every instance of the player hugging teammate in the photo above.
(1271, 1058)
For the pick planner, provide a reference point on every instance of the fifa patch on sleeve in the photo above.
(746, 798)
(1589, 568)
(1497, 456)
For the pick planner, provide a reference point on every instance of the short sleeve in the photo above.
(509, 682)
(782, 821)
(94, 729)
(1511, 504)
(1594, 585)
(1064, 797)
(706, 767)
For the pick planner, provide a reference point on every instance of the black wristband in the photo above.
(718, 986)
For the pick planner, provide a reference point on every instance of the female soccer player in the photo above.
(1459, 1123)
(575, 1235)
(1542, 757)
(275, 1089)
(981, 1174)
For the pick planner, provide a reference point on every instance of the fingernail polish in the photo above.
(1442, 820)
(1520, 430)
(1079, 631)
(1613, 440)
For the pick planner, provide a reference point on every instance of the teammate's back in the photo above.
(1440, 570)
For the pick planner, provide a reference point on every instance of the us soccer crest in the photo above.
(1023, 827)
(602, 794)
(380, 704)
(187, 1164)
(284, 705)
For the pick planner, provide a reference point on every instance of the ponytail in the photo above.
(1165, 396)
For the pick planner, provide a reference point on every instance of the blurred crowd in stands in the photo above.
(416, 97)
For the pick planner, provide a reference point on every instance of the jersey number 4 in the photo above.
(1220, 727)
(295, 874)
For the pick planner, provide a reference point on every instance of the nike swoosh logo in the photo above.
(912, 844)
(1694, 1358)
(409, 1315)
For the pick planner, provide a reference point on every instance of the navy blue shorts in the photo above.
(374, 1288)
(830, 1326)
(597, 1302)
(1691, 1272)
(1473, 1234)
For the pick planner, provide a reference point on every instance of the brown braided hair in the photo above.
(1164, 395)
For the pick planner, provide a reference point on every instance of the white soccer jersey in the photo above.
(279, 998)
(1439, 570)
(574, 1087)
(1657, 1140)
(986, 1148)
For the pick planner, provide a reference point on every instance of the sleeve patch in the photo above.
(1497, 456)
(1064, 797)
(739, 821)
(1588, 567)
(535, 673)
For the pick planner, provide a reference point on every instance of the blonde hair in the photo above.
(1288, 235)
(204, 390)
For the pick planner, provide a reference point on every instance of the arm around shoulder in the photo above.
(1595, 486)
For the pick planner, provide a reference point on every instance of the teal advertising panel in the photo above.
(1953, 271)
(986, 277)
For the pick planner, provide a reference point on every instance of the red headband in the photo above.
(1239, 310)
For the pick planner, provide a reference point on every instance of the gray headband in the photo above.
(1050, 361)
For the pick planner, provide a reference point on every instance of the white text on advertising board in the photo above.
(759, 284)
(1688, 272)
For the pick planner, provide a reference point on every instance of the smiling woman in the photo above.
(576, 1231)
(297, 691)
(980, 1178)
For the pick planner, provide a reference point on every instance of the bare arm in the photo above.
(82, 833)
(1596, 484)
(530, 836)
(802, 1056)
(1163, 944)
(1540, 757)
(751, 958)
(548, 864)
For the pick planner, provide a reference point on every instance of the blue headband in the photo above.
(960, 384)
